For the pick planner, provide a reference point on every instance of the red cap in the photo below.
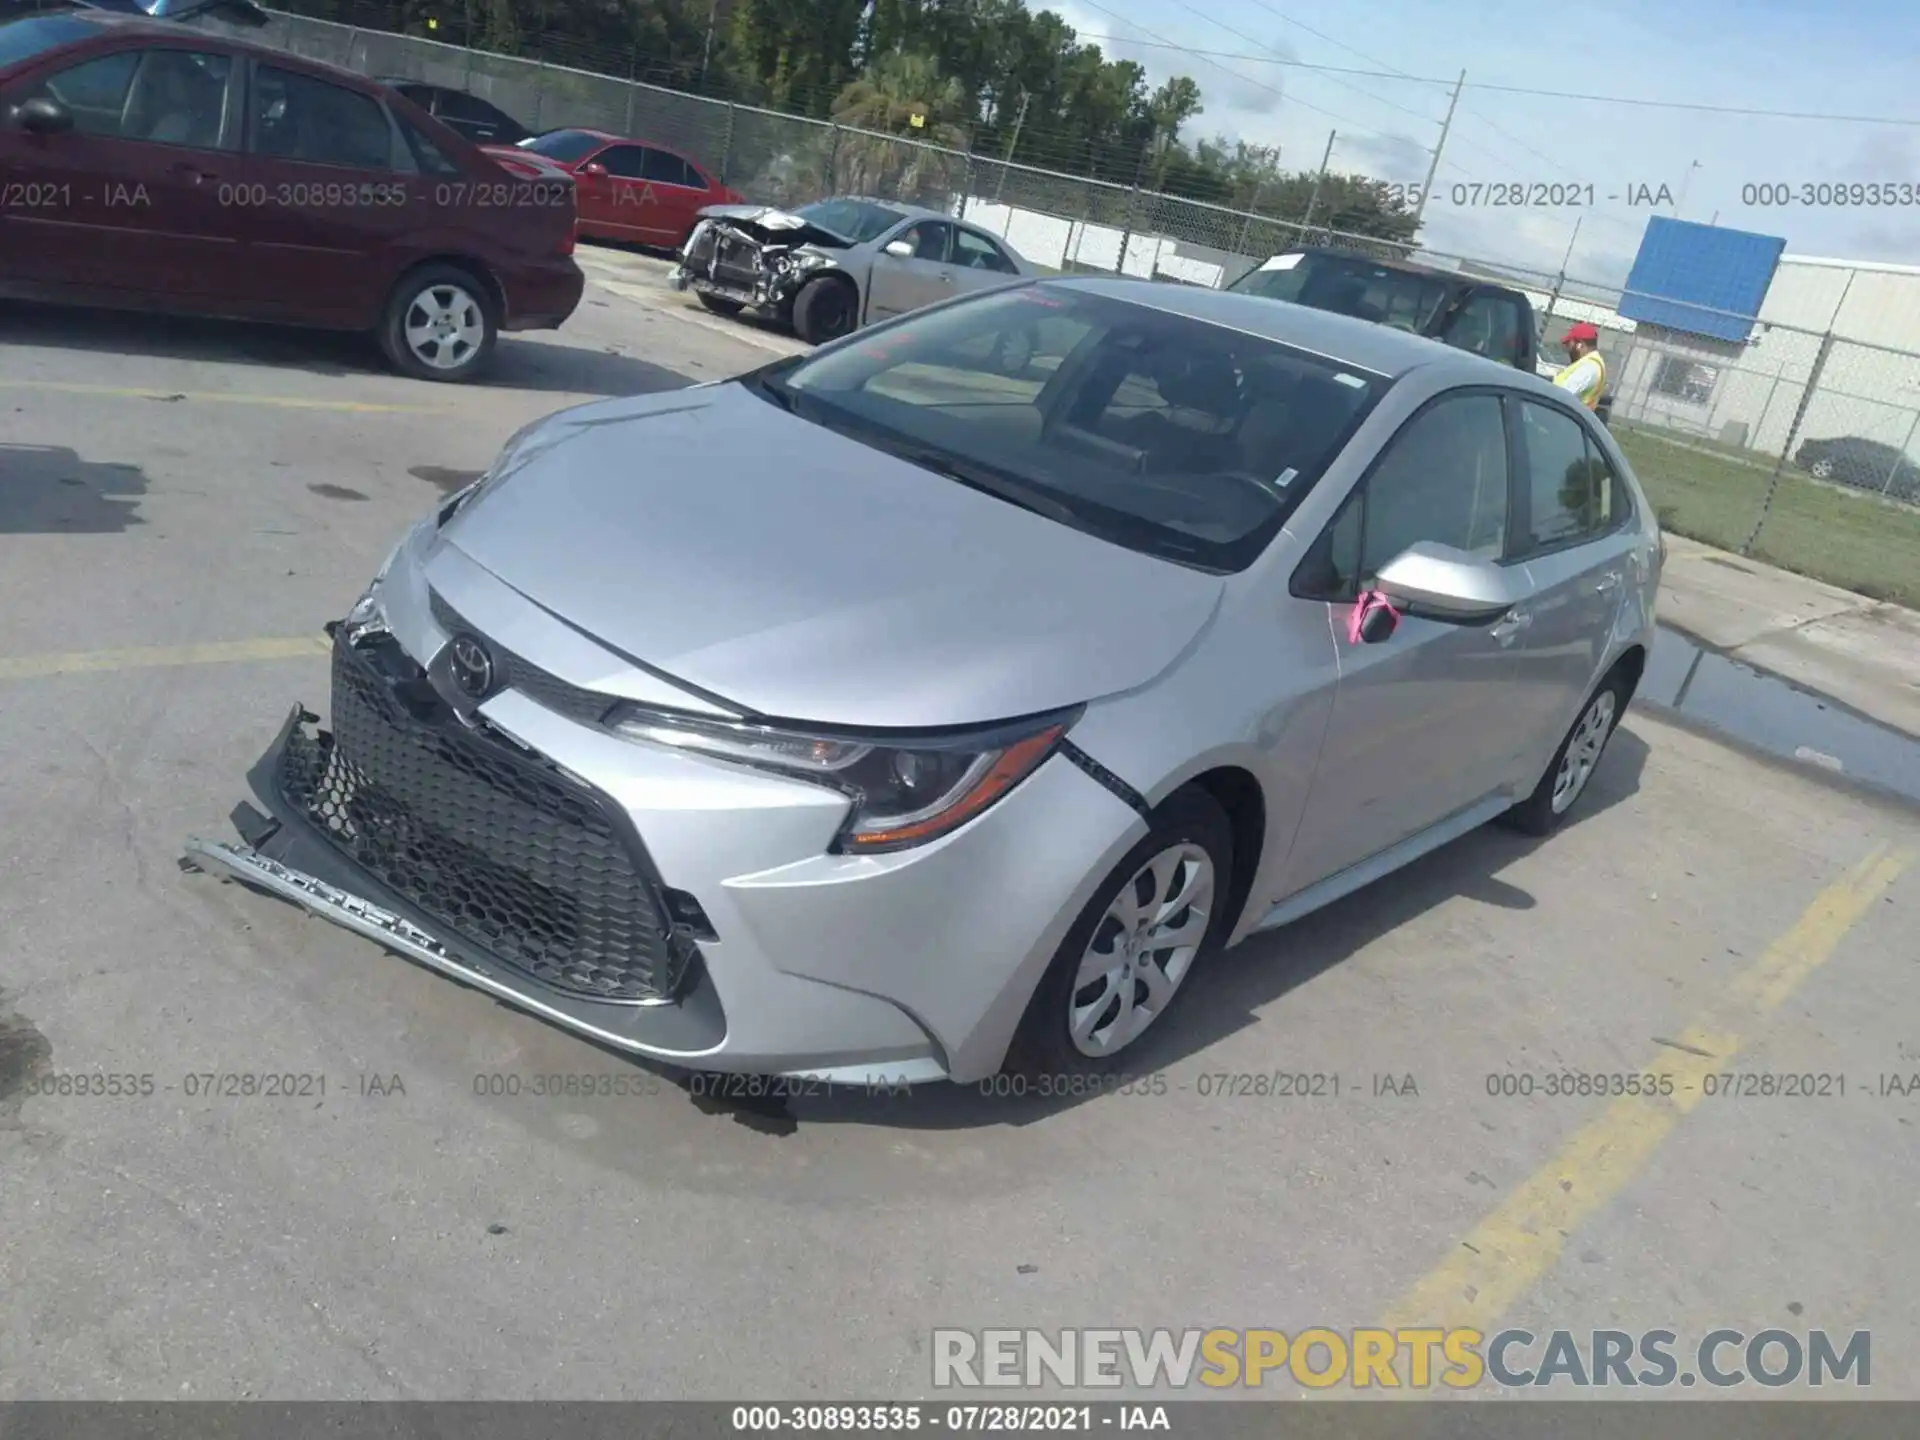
(1582, 331)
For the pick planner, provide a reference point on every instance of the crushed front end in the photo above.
(757, 260)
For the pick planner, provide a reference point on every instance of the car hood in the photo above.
(798, 574)
(769, 224)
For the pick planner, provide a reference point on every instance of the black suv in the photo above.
(471, 116)
(1462, 310)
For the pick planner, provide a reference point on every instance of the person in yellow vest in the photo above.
(1586, 373)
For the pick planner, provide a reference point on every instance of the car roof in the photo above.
(1408, 267)
(162, 29)
(1364, 344)
(902, 207)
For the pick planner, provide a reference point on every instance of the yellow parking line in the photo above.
(30, 667)
(1521, 1240)
(228, 397)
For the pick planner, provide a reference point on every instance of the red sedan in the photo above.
(150, 166)
(631, 189)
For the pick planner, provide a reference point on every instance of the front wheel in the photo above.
(1821, 469)
(825, 309)
(439, 325)
(1128, 956)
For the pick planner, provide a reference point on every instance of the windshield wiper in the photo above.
(988, 482)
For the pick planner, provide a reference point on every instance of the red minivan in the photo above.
(632, 189)
(147, 165)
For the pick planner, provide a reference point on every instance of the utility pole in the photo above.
(706, 55)
(1565, 260)
(1434, 169)
(1313, 199)
(1013, 143)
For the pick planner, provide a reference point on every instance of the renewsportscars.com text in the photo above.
(1409, 1358)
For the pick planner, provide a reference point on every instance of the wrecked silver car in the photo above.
(828, 268)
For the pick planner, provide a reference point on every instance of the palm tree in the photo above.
(882, 150)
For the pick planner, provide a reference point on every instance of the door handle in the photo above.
(946, 277)
(1510, 625)
(1607, 583)
(191, 173)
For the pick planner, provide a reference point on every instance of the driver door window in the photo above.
(1443, 478)
(167, 97)
(1487, 325)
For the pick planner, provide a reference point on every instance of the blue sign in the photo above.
(1701, 279)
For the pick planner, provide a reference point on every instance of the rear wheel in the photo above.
(1821, 469)
(1128, 956)
(718, 305)
(825, 309)
(440, 324)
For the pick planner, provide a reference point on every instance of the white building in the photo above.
(1749, 393)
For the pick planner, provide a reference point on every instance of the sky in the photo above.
(1850, 58)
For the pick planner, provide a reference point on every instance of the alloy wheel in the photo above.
(444, 327)
(1141, 950)
(1821, 469)
(1583, 751)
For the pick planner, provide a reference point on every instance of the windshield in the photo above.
(1349, 285)
(24, 39)
(1155, 431)
(566, 146)
(856, 220)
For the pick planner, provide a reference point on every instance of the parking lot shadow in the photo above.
(234, 342)
(575, 369)
(1226, 995)
(50, 490)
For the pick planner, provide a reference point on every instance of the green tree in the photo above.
(903, 95)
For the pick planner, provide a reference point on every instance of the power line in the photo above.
(1242, 35)
(1370, 59)
(1630, 100)
(1161, 40)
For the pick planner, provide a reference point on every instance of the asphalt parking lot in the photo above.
(183, 506)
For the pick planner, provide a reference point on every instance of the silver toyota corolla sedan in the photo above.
(883, 715)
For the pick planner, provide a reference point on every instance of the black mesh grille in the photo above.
(515, 673)
(493, 844)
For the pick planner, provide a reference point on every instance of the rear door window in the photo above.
(977, 252)
(298, 117)
(663, 167)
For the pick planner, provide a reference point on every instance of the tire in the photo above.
(825, 309)
(1190, 838)
(458, 314)
(1014, 351)
(1821, 469)
(1579, 755)
(718, 305)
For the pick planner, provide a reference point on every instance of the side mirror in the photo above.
(900, 250)
(1448, 584)
(42, 115)
(595, 169)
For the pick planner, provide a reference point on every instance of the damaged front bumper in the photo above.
(286, 851)
(476, 853)
(726, 261)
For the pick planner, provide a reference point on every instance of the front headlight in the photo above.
(904, 793)
(369, 612)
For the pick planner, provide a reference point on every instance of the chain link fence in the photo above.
(1791, 445)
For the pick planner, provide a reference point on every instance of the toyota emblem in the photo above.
(471, 667)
